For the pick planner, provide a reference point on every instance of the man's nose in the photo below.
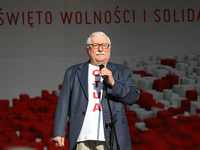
(100, 48)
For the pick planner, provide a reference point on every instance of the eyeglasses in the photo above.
(96, 45)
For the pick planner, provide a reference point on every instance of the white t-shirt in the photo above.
(92, 128)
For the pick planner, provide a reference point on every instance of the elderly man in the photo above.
(82, 101)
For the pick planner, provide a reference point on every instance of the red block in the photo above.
(148, 137)
(185, 104)
(134, 131)
(50, 108)
(49, 122)
(43, 104)
(35, 108)
(172, 63)
(12, 116)
(161, 143)
(24, 97)
(143, 146)
(130, 114)
(20, 143)
(164, 114)
(179, 111)
(3, 115)
(142, 73)
(45, 93)
(5, 126)
(37, 145)
(146, 75)
(158, 105)
(21, 105)
(29, 136)
(25, 115)
(25, 126)
(176, 111)
(46, 135)
(16, 124)
(171, 123)
(192, 95)
(174, 79)
(148, 103)
(15, 101)
(176, 143)
(39, 128)
(53, 99)
(154, 123)
(4, 103)
(33, 117)
(195, 119)
(3, 138)
(142, 98)
(12, 135)
(161, 84)
(184, 120)
(169, 62)
(45, 116)
(133, 120)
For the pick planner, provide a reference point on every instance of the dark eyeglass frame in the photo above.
(97, 45)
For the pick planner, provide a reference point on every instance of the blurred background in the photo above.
(158, 40)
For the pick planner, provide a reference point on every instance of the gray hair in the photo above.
(88, 41)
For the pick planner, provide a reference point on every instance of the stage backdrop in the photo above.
(40, 39)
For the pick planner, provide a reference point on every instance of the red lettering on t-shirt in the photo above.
(97, 107)
(96, 83)
(96, 73)
(97, 97)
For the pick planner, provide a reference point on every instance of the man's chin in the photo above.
(103, 61)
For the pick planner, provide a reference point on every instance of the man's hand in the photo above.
(60, 140)
(105, 72)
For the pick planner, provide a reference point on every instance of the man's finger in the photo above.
(59, 141)
(62, 142)
(54, 140)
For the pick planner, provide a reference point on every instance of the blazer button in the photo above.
(83, 113)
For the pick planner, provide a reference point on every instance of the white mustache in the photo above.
(100, 53)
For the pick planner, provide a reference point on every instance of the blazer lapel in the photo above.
(83, 78)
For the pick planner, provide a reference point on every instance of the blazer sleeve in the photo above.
(124, 89)
(62, 108)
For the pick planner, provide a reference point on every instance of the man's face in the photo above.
(99, 54)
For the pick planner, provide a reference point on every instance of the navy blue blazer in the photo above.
(73, 101)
